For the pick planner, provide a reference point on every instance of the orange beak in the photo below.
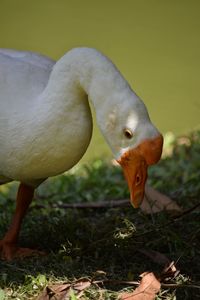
(135, 163)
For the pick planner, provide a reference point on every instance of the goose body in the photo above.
(38, 138)
(46, 123)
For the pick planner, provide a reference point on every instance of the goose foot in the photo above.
(10, 251)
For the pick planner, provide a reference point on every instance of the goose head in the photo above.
(135, 141)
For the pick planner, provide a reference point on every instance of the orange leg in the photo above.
(8, 246)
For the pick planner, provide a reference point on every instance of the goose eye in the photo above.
(128, 133)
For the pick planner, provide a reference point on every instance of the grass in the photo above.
(107, 243)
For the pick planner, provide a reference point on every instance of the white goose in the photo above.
(46, 124)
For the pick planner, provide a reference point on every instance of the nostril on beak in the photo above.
(137, 180)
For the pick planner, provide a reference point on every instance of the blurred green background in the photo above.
(154, 43)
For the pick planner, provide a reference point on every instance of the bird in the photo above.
(46, 124)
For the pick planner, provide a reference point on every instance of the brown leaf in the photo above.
(147, 289)
(58, 288)
(55, 292)
(155, 201)
(81, 285)
(62, 291)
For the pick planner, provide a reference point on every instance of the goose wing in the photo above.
(23, 76)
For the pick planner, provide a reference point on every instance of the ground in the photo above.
(108, 244)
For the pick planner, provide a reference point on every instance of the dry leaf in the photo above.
(62, 291)
(147, 290)
(55, 292)
(155, 201)
(58, 288)
(81, 285)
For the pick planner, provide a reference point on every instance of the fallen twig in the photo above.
(109, 204)
(187, 211)
(163, 285)
(117, 282)
(179, 285)
(102, 204)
